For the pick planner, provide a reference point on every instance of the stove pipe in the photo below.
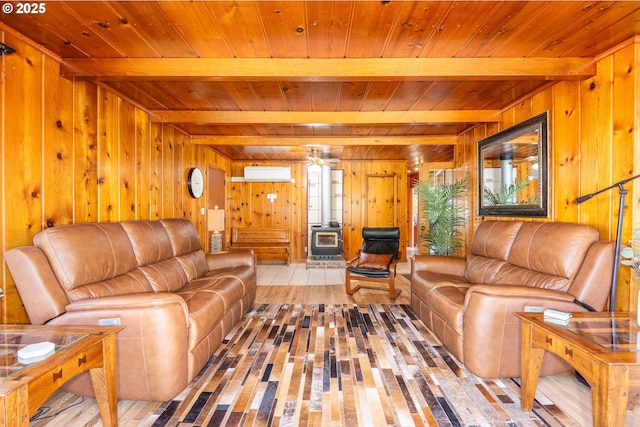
(325, 195)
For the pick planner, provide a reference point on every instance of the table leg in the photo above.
(609, 394)
(530, 363)
(104, 383)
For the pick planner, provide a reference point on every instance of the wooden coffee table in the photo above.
(602, 346)
(24, 388)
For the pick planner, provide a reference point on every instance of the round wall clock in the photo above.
(195, 183)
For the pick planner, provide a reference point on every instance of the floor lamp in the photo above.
(616, 256)
(215, 224)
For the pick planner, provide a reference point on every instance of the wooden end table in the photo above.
(602, 346)
(24, 388)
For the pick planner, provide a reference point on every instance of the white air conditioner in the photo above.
(267, 174)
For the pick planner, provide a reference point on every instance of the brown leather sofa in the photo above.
(176, 302)
(469, 303)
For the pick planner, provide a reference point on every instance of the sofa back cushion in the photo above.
(80, 254)
(165, 276)
(553, 248)
(149, 240)
(183, 235)
(187, 249)
(490, 249)
(539, 254)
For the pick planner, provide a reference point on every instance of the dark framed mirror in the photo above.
(513, 170)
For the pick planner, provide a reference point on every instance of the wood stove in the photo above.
(326, 242)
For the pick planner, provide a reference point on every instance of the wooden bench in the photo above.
(267, 243)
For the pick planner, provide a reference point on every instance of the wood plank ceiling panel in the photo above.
(243, 95)
(500, 27)
(199, 95)
(325, 95)
(370, 30)
(415, 25)
(242, 27)
(77, 30)
(584, 21)
(459, 24)
(284, 27)
(297, 96)
(120, 30)
(137, 93)
(328, 29)
(197, 24)
(152, 24)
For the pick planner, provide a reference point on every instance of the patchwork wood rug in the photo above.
(344, 365)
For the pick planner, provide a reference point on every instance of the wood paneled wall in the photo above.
(594, 142)
(248, 205)
(73, 152)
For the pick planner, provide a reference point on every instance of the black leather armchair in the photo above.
(375, 263)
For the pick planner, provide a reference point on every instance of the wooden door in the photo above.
(382, 199)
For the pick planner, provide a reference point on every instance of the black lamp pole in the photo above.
(616, 255)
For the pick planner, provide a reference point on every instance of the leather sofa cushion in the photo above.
(165, 276)
(512, 275)
(493, 239)
(69, 247)
(129, 283)
(424, 282)
(448, 303)
(239, 272)
(150, 241)
(183, 235)
(208, 300)
(552, 248)
(481, 269)
(194, 264)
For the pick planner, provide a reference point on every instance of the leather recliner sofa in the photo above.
(176, 302)
(469, 303)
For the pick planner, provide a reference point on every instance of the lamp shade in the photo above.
(215, 220)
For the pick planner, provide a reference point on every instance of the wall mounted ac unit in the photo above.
(267, 174)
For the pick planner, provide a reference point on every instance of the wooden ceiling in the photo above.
(356, 79)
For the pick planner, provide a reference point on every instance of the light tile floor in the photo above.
(297, 274)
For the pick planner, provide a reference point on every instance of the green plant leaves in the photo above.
(444, 214)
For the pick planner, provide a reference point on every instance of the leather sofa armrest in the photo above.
(230, 259)
(492, 334)
(152, 348)
(128, 302)
(439, 264)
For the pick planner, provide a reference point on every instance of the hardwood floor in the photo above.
(304, 286)
(296, 284)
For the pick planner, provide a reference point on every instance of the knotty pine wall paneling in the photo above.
(85, 152)
(594, 142)
(355, 201)
(74, 152)
(248, 205)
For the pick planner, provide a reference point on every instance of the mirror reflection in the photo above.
(512, 168)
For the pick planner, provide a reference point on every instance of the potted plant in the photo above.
(445, 217)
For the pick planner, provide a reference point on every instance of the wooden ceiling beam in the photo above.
(322, 141)
(331, 69)
(319, 118)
